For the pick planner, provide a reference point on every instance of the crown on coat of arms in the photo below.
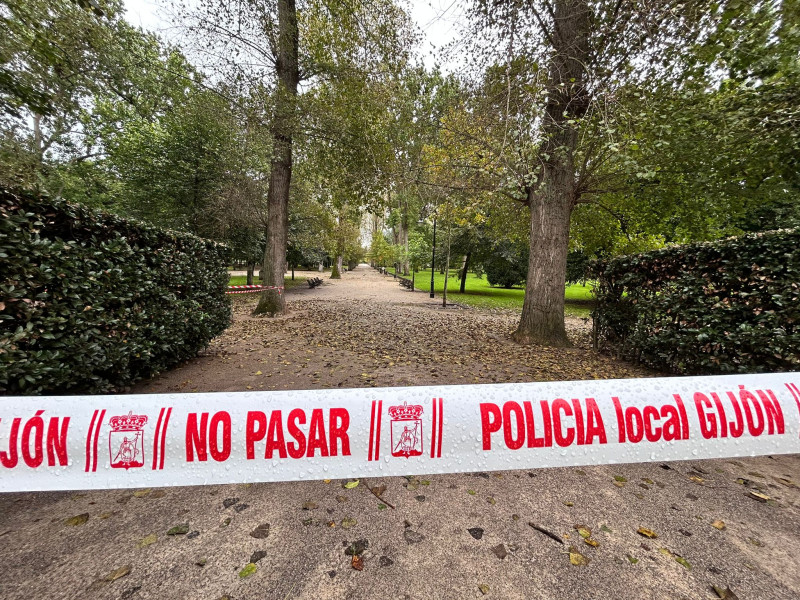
(405, 412)
(129, 422)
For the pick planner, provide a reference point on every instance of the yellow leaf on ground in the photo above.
(648, 533)
(576, 558)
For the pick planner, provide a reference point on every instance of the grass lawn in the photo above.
(579, 298)
(287, 281)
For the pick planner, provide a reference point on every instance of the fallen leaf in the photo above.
(500, 551)
(357, 562)
(648, 533)
(260, 532)
(249, 569)
(471, 492)
(583, 531)
(179, 529)
(620, 478)
(591, 542)
(758, 496)
(351, 484)
(631, 559)
(619, 484)
(718, 525)
(310, 505)
(77, 520)
(576, 558)
(347, 523)
(141, 493)
(568, 503)
(259, 373)
(696, 479)
(483, 588)
(726, 594)
(117, 573)
(146, 541)
(677, 557)
(378, 490)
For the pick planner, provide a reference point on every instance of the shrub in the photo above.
(506, 265)
(731, 306)
(90, 302)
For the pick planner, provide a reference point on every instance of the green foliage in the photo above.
(92, 302)
(507, 265)
(577, 267)
(731, 306)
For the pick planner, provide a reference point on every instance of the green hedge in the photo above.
(731, 306)
(90, 302)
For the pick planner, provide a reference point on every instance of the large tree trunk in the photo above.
(542, 318)
(552, 200)
(273, 301)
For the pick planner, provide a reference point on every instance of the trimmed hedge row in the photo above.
(90, 302)
(731, 306)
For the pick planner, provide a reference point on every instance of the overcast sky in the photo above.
(436, 19)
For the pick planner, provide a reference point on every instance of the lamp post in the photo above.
(433, 255)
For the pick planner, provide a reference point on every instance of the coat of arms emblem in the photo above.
(126, 441)
(406, 427)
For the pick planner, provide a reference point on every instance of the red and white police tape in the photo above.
(249, 289)
(94, 442)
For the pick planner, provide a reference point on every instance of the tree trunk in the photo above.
(446, 269)
(320, 268)
(251, 267)
(273, 301)
(464, 272)
(405, 244)
(542, 318)
(552, 200)
(336, 269)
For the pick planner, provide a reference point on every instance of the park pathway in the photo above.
(366, 330)
(450, 536)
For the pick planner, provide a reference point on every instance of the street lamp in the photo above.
(433, 254)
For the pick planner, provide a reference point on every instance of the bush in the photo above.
(731, 306)
(506, 265)
(90, 301)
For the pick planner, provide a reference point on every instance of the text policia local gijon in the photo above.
(300, 433)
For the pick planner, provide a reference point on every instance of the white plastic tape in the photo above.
(93, 442)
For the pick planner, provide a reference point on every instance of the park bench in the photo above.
(314, 282)
(406, 283)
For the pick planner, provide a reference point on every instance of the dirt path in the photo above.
(444, 538)
(365, 330)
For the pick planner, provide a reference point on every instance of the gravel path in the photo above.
(450, 536)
